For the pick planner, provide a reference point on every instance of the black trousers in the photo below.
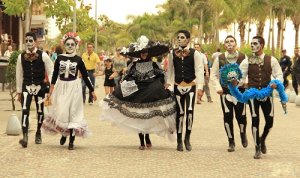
(268, 111)
(230, 108)
(185, 102)
(28, 93)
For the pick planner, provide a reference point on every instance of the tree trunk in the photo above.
(273, 39)
(27, 17)
(270, 29)
(260, 28)
(12, 96)
(282, 29)
(249, 31)
(242, 27)
(201, 27)
(296, 34)
(278, 33)
(216, 39)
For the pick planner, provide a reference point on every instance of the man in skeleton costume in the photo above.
(229, 103)
(185, 70)
(32, 65)
(259, 69)
(66, 115)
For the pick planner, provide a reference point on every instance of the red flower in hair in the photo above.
(72, 35)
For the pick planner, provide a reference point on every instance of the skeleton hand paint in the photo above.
(230, 44)
(70, 46)
(29, 42)
(182, 41)
(255, 46)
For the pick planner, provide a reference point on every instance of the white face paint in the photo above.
(29, 42)
(182, 41)
(70, 46)
(230, 44)
(255, 46)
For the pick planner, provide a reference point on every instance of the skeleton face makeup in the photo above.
(29, 42)
(230, 44)
(255, 46)
(70, 46)
(182, 41)
(144, 54)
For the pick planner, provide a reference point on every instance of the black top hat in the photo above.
(144, 45)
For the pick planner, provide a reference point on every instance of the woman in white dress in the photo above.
(66, 114)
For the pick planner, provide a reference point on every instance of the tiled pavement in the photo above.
(110, 152)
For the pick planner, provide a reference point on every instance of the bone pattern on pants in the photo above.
(190, 120)
(25, 94)
(180, 107)
(228, 130)
(254, 131)
(24, 120)
(191, 101)
(252, 107)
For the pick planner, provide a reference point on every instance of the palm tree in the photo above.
(295, 16)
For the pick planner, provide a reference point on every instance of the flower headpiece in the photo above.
(71, 35)
(143, 43)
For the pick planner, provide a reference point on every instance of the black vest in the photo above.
(33, 71)
(184, 69)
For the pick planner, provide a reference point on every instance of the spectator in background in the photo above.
(296, 70)
(8, 52)
(215, 55)
(285, 64)
(206, 77)
(92, 64)
(119, 63)
(58, 51)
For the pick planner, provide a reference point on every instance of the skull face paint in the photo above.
(70, 46)
(230, 44)
(255, 46)
(29, 42)
(182, 41)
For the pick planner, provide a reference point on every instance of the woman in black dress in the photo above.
(141, 103)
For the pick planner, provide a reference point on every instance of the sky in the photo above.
(116, 10)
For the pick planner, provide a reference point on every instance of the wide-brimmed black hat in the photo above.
(144, 45)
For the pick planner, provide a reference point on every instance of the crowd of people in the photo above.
(144, 96)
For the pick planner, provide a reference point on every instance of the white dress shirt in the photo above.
(19, 69)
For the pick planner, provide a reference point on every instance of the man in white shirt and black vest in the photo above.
(185, 71)
(32, 67)
(259, 69)
(230, 105)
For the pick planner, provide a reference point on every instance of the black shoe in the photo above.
(231, 147)
(38, 138)
(63, 140)
(257, 154)
(244, 140)
(188, 145)
(179, 146)
(263, 147)
(24, 141)
(71, 146)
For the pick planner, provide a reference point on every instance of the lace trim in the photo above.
(149, 115)
(114, 100)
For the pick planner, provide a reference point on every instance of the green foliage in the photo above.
(11, 69)
(11, 77)
(15, 7)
